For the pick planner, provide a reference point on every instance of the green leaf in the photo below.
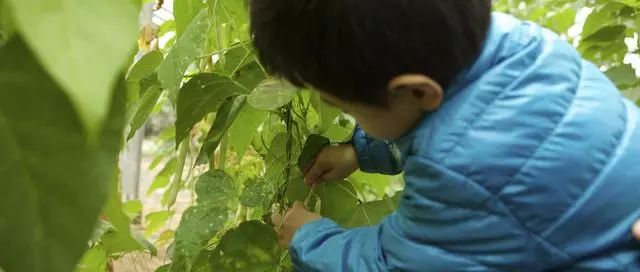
(252, 246)
(199, 224)
(606, 34)
(144, 106)
(234, 59)
(94, 260)
(162, 179)
(63, 172)
(632, 94)
(119, 239)
(83, 44)
(188, 47)
(371, 213)
(622, 75)
(313, 146)
(249, 76)
(164, 268)
(244, 128)
(184, 12)
(132, 208)
(224, 117)
(201, 95)
(271, 94)
(297, 190)
(600, 17)
(256, 193)
(156, 220)
(167, 26)
(378, 183)
(563, 19)
(327, 113)
(146, 66)
(339, 200)
(215, 187)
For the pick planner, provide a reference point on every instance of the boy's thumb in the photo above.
(636, 230)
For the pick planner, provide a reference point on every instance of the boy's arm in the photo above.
(423, 235)
(375, 156)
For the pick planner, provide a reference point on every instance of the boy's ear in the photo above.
(427, 92)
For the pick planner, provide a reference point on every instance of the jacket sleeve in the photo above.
(423, 235)
(375, 156)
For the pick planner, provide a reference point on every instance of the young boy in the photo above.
(517, 154)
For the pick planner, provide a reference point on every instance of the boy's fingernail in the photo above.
(636, 230)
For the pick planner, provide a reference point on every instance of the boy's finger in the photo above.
(276, 219)
(314, 174)
(298, 205)
(636, 230)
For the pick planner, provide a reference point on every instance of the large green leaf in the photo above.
(256, 193)
(184, 11)
(224, 118)
(63, 172)
(215, 187)
(83, 44)
(271, 94)
(297, 190)
(250, 247)
(371, 213)
(245, 127)
(338, 200)
(201, 95)
(188, 48)
(199, 223)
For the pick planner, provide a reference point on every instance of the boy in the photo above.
(517, 154)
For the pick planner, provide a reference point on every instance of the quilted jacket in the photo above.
(532, 163)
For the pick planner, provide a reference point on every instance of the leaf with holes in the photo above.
(256, 193)
(199, 224)
(187, 49)
(252, 246)
(215, 187)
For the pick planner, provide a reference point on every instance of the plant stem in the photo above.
(222, 156)
(183, 151)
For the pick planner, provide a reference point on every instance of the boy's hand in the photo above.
(295, 217)
(334, 162)
(636, 230)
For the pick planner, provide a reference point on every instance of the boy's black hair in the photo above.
(352, 48)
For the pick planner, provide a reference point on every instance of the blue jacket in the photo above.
(532, 163)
